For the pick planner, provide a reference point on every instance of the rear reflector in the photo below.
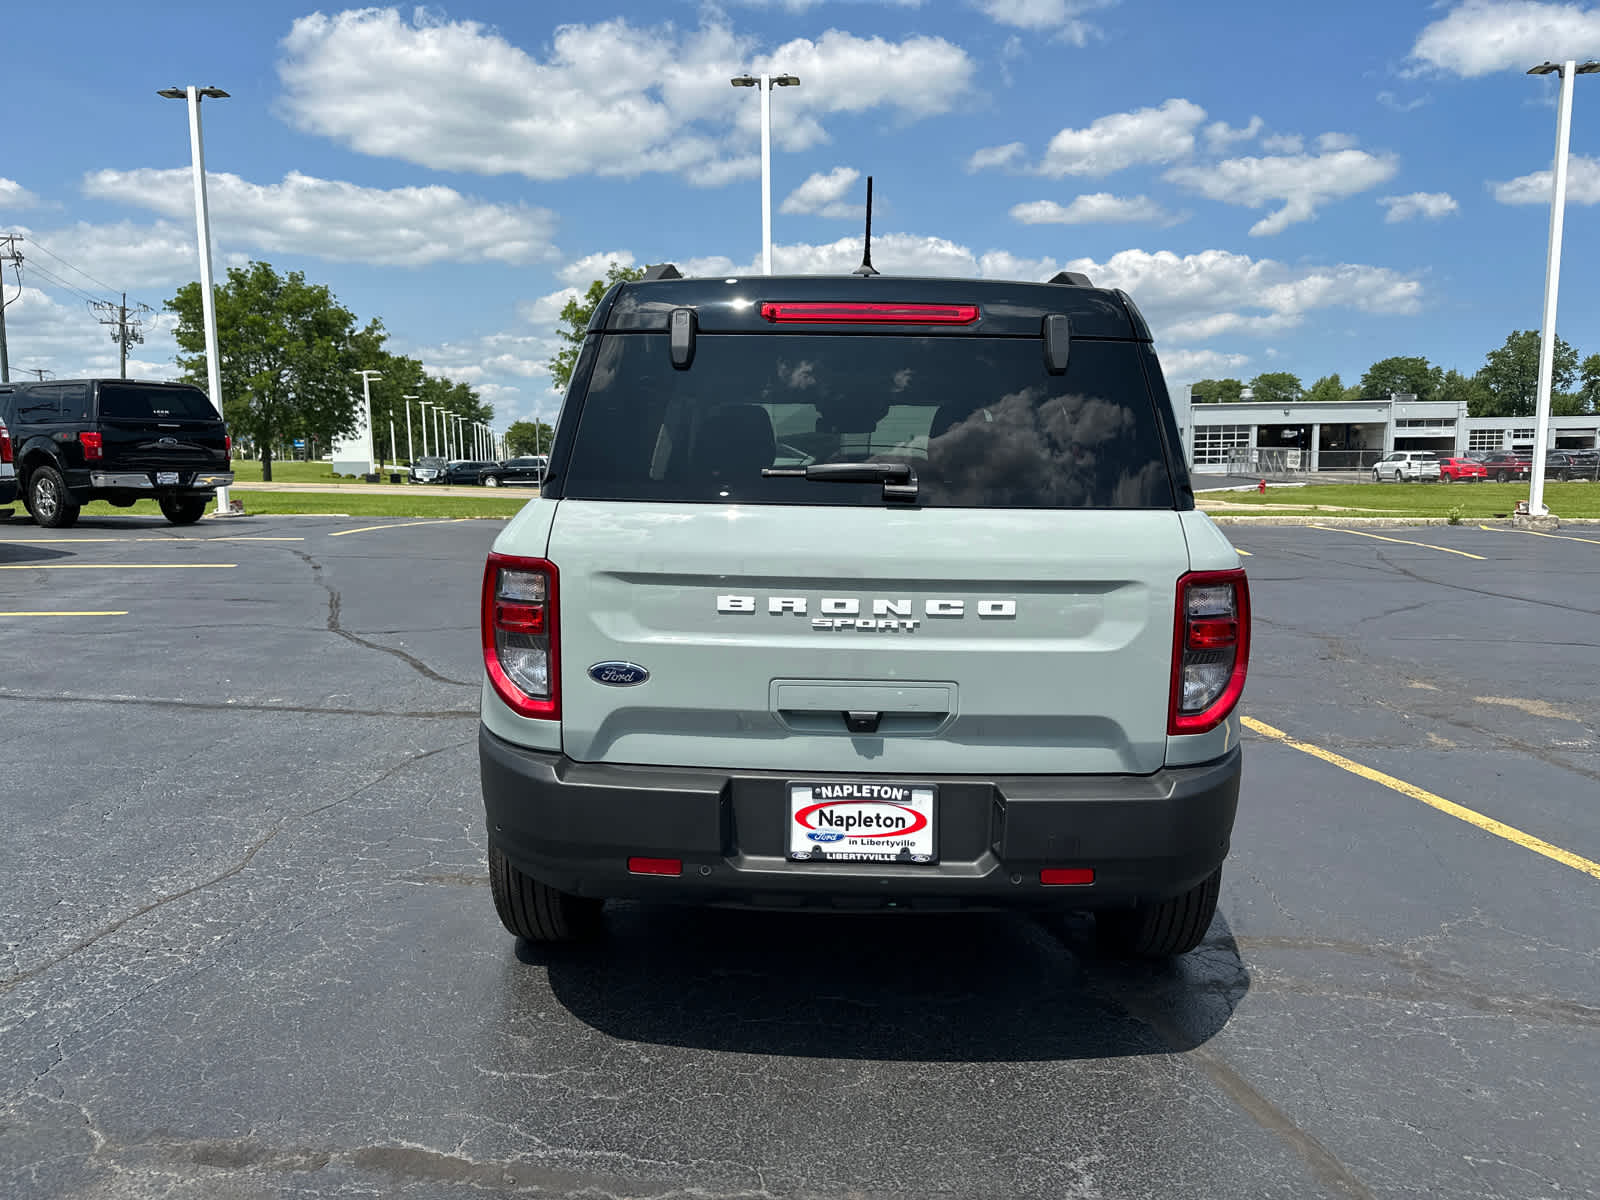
(1074, 875)
(655, 866)
(869, 314)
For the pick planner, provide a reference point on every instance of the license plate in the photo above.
(167, 477)
(858, 821)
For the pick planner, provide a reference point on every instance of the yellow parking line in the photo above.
(1488, 824)
(1399, 541)
(116, 566)
(1560, 537)
(402, 525)
(110, 612)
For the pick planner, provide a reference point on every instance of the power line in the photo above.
(125, 330)
(37, 245)
(64, 284)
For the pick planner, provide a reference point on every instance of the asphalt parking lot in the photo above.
(248, 949)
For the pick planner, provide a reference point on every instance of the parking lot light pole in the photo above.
(766, 83)
(423, 405)
(202, 221)
(411, 454)
(1568, 71)
(366, 399)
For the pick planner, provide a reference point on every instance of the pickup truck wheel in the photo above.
(182, 510)
(49, 501)
(1163, 930)
(491, 481)
(539, 912)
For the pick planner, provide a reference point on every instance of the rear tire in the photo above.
(1502, 476)
(539, 912)
(182, 510)
(49, 501)
(491, 481)
(1163, 930)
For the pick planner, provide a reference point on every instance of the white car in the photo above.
(1407, 464)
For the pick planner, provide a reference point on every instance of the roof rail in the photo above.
(1075, 278)
(662, 271)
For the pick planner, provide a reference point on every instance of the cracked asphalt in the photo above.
(247, 950)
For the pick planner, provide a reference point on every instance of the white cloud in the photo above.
(1186, 366)
(1283, 143)
(1432, 205)
(581, 272)
(824, 194)
(1391, 102)
(1095, 208)
(409, 226)
(1583, 184)
(995, 156)
(66, 339)
(125, 254)
(1149, 135)
(1220, 135)
(609, 98)
(1330, 142)
(1483, 36)
(1064, 17)
(1302, 183)
(14, 196)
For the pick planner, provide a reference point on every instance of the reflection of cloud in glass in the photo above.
(1068, 451)
(800, 377)
(902, 379)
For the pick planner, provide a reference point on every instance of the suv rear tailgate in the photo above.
(1041, 654)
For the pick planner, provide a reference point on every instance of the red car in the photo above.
(1459, 470)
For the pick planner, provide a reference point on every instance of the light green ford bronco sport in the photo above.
(864, 593)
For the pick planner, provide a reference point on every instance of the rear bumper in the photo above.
(188, 481)
(575, 825)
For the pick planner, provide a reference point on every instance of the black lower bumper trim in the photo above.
(575, 825)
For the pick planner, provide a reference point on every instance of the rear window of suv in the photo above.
(980, 420)
(130, 402)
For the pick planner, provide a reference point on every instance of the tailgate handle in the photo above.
(862, 722)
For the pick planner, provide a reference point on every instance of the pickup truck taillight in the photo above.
(1211, 649)
(93, 445)
(5, 443)
(520, 647)
(227, 449)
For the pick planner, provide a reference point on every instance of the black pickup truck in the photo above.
(77, 440)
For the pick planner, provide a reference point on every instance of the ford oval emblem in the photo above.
(618, 674)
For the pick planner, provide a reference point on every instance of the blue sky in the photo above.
(1281, 186)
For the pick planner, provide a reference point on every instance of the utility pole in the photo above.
(37, 372)
(125, 330)
(8, 254)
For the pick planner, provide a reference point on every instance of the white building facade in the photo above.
(1351, 435)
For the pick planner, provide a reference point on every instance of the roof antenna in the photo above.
(866, 267)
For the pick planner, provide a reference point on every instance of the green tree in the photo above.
(1402, 375)
(1589, 386)
(575, 320)
(1456, 388)
(528, 437)
(286, 351)
(1510, 375)
(1327, 390)
(1276, 387)
(1216, 391)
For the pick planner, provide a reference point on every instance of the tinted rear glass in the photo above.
(979, 419)
(130, 402)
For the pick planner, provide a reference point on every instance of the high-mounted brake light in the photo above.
(93, 445)
(811, 313)
(520, 649)
(5, 443)
(1210, 650)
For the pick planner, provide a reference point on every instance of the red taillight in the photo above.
(1067, 875)
(93, 446)
(869, 314)
(227, 448)
(5, 443)
(655, 866)
(1210, 651)
(520, 649)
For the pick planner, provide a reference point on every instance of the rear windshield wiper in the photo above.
(898, 479)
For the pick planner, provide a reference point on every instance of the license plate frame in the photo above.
(167, 478)
(898, 822)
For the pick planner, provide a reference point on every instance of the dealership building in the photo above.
(1350, 435)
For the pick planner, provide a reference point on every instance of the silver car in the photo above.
(1407, 465)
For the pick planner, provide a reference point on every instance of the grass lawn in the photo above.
(355, 504)
(1481, 500)
(248, 470)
